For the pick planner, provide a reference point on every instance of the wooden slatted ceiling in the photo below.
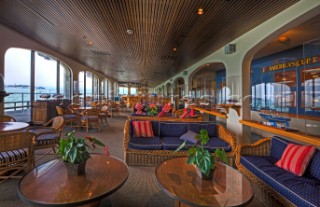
(158, 26)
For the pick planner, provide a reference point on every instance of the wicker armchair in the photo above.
(48, 136)
(69, 117)
(91, 118)
(6, 118)
(262, 191)
(16, 154)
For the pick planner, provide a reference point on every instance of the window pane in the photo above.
(65, 81)
(17, 81)
(45, 74)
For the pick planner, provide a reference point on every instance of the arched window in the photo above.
(28, 75)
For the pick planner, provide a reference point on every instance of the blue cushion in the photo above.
(190, 136)
(145, 143)
(278, 145)
(215, 142)
(210, 127)
(172, 143)
(314, 166)
(47, 139)
(302, 191)
(155, 128)
(173, 129)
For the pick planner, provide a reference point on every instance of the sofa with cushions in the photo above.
(283, 170)
(145, 149)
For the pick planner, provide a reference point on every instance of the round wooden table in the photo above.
(49, 185)
(180, 181)
(12, 126)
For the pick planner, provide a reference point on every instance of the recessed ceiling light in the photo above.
(130, 31)
(174, 49)
(200, 11)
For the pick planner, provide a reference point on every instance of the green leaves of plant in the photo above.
(73, 149)
(201, 157)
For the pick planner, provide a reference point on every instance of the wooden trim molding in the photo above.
(215, 113)
(300, 136)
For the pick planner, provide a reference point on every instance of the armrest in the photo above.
(126, 133)
(225, 135)
(259, 148)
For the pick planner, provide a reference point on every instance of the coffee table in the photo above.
(49, 185)
(12, 126)
(180, 181)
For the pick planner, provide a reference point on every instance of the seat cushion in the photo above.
(145, 144)
(302, 191)
(10, 156)
(278, 145)
(313, 169)
(210, 127)
(215, 142)
(172, 143)
(173, 129)
(47, 139)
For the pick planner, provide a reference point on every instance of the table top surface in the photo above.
(49, 184)
(181, 182)
(12, 126)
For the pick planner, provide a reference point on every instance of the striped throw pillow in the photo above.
(142, 129)
(166, 107)
(296, 158)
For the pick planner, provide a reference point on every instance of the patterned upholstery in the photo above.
(278, 145)
(302, 191)
(313, 169)
(11, 156)
(210, 127)
(172, 143)
(173, 129)
(215, 143)
(145, 144)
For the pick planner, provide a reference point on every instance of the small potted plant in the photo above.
(152, 110)
(204, 161)
(74, 152)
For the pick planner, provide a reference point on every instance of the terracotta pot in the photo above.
(76, 169)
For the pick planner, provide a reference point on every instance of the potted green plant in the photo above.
(74, 152)
(202, 158)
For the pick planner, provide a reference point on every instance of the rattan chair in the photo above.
(69, 117)
(6, 118)
(48, 135)
(103, 113)
(16, 154)
(91, 118)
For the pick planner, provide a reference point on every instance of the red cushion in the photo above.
(185, 113)
(166, 107)
(142, 129)
(192, 113)
(296, 158)
(139, 108)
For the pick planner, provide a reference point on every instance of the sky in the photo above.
(17, 68)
